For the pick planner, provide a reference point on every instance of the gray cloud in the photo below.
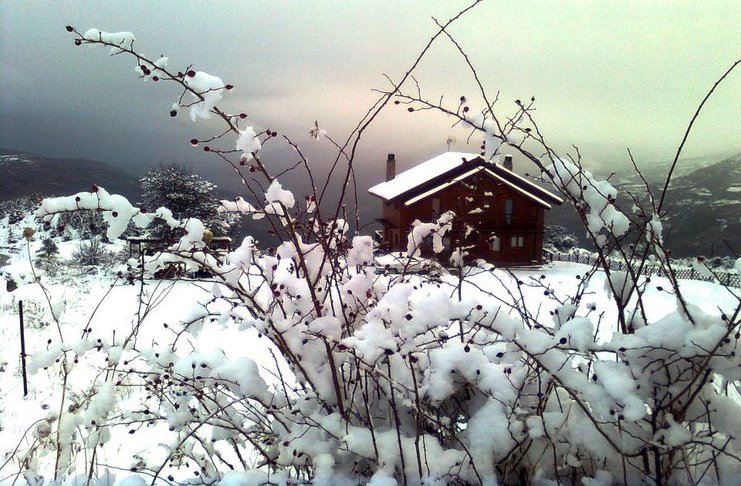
(606, 74)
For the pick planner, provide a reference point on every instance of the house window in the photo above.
(496, 243)
(517, 242)
(508, 209)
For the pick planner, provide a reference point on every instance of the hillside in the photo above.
(703, 209)
(22, 174)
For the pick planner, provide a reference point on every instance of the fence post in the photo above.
(23, 350)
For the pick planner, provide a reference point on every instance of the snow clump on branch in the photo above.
(208, 88)
(599, 196)
(422, 230)
(248, 143)
(124, 40)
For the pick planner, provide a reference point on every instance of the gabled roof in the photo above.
(448, 168)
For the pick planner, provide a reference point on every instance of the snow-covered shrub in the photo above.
(17, 209)
(92, 253)
(46, 256)
(48, 249)
(386, 379)
(79, 225)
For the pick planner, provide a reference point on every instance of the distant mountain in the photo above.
(705, 210)
(703, 206)
(22, 174)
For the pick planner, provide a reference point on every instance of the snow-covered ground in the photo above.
(96, 302)
(104, 307)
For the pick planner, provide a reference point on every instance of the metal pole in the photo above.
(23, 350)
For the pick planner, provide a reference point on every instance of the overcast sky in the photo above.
(607, 75)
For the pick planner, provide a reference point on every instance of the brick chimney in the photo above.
(508, 162)
(390, 167)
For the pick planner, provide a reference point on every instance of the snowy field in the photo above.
(105, 308)
(97, 303)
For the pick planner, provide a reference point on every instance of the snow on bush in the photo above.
(598, 198)
(207, 91)
(120, 40)
(435, 231)
(384, 379)
(248, 143)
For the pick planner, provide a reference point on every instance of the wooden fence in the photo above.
(723, 277)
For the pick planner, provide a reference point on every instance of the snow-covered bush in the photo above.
(48, 249)
(17, 209)
(386, 379)
(81, 225)
(92, 253)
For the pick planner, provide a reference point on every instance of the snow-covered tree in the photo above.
(184, 193)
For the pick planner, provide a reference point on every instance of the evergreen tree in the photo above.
(48, 249)
(185, 194)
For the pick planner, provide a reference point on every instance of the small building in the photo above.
(499, 214)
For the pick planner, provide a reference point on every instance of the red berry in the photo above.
(243, 115)
(191, 73)
(252, 168)
(206, 148)
(274, 134)
(194, 141)
(410, 109)
(228, 86)
(242, 162)
(70, 28)
(465, 109)
(94, 188)
(155, 78)
(78, 42)
(173, 113)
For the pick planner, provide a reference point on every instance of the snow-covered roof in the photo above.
(450, 163)
(419, 174)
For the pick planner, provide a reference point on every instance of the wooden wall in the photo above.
(524, 223)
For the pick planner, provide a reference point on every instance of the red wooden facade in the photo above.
(499, 215)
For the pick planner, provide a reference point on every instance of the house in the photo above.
(499, 214)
